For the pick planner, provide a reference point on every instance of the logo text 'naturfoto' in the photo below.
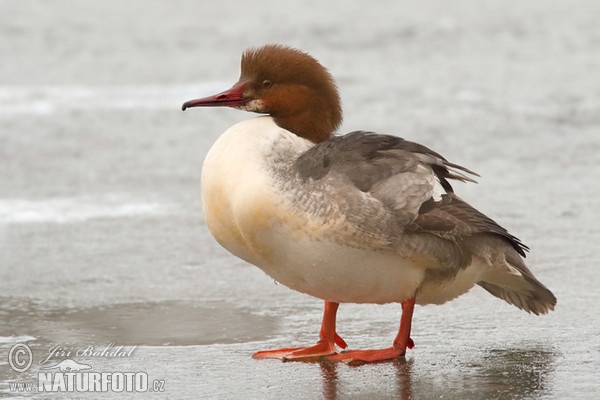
(59, 372)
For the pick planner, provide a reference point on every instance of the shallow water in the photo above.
(102, 238)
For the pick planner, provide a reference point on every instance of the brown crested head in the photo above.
(288, 84)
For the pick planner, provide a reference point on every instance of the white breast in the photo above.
(236, 183)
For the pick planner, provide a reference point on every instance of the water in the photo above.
(102, 238)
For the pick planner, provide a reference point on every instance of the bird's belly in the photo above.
(333, 272)
(442, 290)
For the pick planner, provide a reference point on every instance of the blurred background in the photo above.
(102, 237)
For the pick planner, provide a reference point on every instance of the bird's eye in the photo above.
(267, 84)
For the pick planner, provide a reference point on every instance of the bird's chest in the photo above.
(240, 197)
(239, 224)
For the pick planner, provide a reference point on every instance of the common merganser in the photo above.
(358, 218)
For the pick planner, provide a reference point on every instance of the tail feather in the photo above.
(511, 280)
(507, 277)
(532, 296)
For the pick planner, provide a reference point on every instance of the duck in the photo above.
(359, 218)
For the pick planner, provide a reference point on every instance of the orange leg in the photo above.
(328, 338)
(398, 348)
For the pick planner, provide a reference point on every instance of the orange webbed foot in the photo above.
(311, 353)
(359, 357)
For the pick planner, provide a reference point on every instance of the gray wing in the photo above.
(412, 182)
(400, 174)
(409, 179)
(454, 219)
(368, 158)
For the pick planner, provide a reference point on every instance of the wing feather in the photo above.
(409, 179)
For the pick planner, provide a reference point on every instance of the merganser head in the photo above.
(288, 84)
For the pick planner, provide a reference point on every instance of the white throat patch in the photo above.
(253, 106)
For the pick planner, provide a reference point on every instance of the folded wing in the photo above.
(411, 182)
